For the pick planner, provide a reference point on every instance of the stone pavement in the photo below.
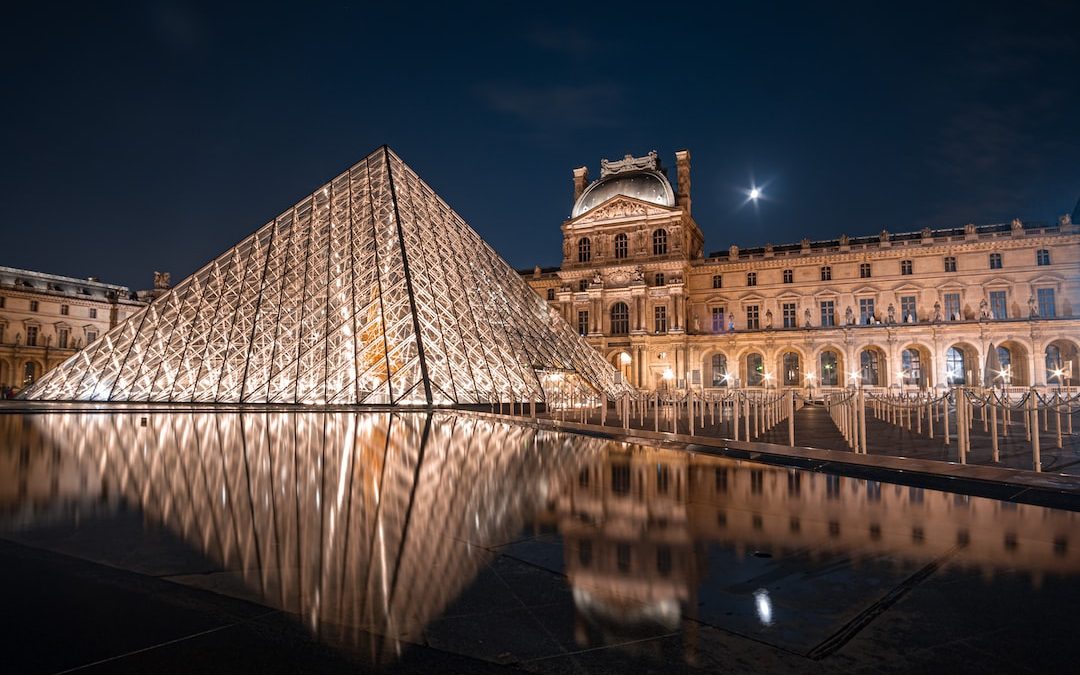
(814, 428)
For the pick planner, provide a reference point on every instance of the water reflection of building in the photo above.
(636, 524)
(365, 526)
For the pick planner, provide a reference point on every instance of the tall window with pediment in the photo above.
(659, 242)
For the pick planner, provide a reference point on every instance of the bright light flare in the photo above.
(755, 193)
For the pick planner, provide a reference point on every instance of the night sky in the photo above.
(154, 135)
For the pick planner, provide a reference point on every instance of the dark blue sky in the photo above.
(153, 135)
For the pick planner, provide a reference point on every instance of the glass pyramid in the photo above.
(369, 291)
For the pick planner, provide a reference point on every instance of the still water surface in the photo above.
(380, 530)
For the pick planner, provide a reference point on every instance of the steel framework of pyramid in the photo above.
(370, 291)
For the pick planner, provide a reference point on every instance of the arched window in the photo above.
(659, 242)
(755, 370)
(829, 369)
(622, 246)
(30, 373)
(620, 319)
(550, 294)
(911, 365)
(584, 250)
(954, 366)
(719, 370)
(1053, 362)
(1004, 358)
(792, 373)
(869, 367)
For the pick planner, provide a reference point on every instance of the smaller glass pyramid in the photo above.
(369, 291)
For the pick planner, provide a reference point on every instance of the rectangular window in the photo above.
(999, 306)
(62, 338)
(828, 313)
(717, 319)
(751, 278)
(93, 313)
(1047, 309)
(33, 305)
(908, 312)
(752, 319)
(91, 335)
(826, 273)
(32, 333)
(905, 267)
(583, 322)
(866, 311)
(864, 270)
(1042, 257)
(789, 276)
(63, 310)
(788, 309)
(660, 318)
(952, 307)
(950, 263)
(2, 327)
(658, 279)
(995, 261)
(2, 300)
(717, 281)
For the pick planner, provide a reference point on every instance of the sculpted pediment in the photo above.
(621, 206)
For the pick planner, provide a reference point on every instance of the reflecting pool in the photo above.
(384, 532)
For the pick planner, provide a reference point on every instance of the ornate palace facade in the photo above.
(918, 309)
(45, 318)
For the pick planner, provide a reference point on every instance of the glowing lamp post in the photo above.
(810, 383)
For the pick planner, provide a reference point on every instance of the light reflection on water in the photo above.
(374, 523)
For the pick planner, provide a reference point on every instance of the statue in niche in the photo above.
(697, 323)
(731, 321)
(768, 318)
(566, 249)
(892, 313)
(806, 317)
(1033, 307)
(984, 309)
(849, 316)
(937, 312)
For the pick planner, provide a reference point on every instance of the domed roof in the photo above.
(648, 186)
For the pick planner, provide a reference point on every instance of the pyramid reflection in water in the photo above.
(365, 526)
(371, 290)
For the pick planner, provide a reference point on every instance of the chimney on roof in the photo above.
(682, 169)
(581, 179)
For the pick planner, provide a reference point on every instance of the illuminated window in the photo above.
(911, 364)
(792, 372)
(869, 367)
(719, 370)
(954, 366)
(829, 370)
(755, 370)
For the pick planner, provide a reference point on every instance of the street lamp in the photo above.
(810, 383)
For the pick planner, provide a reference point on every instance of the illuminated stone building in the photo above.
(45, 318)
(917, 309)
